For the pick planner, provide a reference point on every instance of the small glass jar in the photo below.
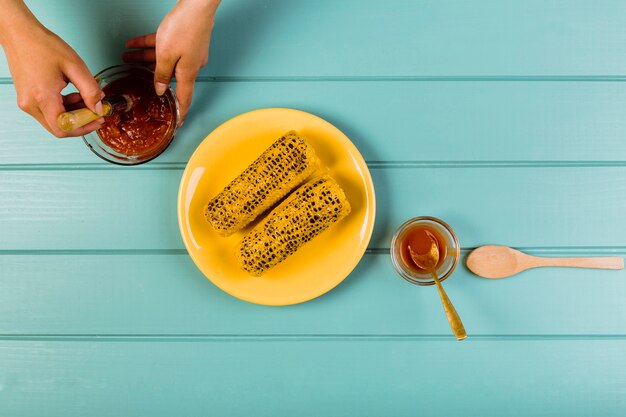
(102, 149)
(445, 268)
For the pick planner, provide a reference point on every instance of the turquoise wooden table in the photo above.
(510, 115)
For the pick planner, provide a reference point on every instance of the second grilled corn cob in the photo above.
(306, 213)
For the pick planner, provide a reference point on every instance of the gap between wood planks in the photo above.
(179, 166)
(220, 338)
(400, 78)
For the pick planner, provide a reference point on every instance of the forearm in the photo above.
(15, 17)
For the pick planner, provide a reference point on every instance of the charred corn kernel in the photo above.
(282, 167)
(306, 213)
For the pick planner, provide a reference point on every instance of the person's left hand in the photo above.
(180, 47)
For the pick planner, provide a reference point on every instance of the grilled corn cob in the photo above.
(282, 167)
(306, 213)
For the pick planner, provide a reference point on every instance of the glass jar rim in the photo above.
(395, 258)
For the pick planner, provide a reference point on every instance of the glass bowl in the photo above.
(104, 151)
(445, 269)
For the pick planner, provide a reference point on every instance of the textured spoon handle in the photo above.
(74, 119)
(71, 120)
(612, 262)
(453, 317)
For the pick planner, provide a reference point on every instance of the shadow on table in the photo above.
(110, 25)
(252, 17)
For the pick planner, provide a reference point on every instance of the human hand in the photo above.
(41, 65)
(180, 47)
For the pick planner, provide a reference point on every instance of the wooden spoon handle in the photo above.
(612, 262)
(74, 119)
(453, 318)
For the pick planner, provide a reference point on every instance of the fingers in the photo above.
(45, 115)
(184, 94)
(145, 41)
(88, 128)
(73, 101)
(164, 63)
(145, 55)
(186, 73)
(79, 75)
(72, 98)
(45, 104)
(51, 107)
(163, 73)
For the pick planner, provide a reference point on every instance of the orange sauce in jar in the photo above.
(418, 239)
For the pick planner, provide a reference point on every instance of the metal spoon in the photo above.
(428, 262)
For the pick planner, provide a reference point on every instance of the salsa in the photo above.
(146, 126)
(419, 239)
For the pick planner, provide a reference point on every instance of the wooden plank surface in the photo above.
(313, 377)
(419, 121)
(125, 294)
(509, 116)
(125, 209)
(369, 38)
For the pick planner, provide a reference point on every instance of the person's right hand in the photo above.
(41, 65)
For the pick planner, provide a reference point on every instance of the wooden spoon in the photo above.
(428, 262)
(501, 261)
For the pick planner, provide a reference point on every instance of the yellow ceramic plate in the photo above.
(315, 268)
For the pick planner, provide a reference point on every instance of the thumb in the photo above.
(79, 75)
(163, 73)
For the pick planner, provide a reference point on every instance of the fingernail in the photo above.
(100, 120)
(98, 107)
(160, 88)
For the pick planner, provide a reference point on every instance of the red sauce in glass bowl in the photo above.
(145, 127)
